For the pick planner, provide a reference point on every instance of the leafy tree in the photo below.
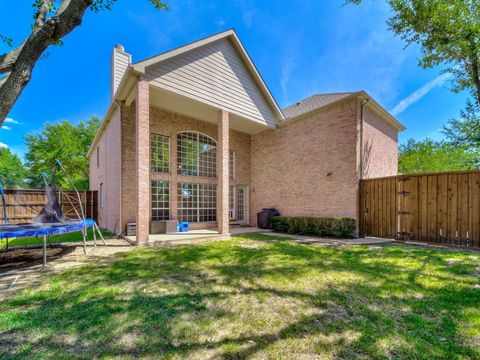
(466, 130)
(65, 142)
(433, 156)
(53, 20)
(12, 170)
(448, 32)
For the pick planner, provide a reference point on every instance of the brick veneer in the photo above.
(223, 178)
(167, 123)
(308, 166)
(142, 148)
(380, 140)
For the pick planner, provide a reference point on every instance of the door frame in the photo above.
(246, 199)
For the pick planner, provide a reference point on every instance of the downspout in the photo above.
(360, 165)
(362, 105)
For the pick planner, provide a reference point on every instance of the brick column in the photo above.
(142, 132)
(223, 177)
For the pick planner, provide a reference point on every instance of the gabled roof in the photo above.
(320, 102)
(312, 103)
(141, 66)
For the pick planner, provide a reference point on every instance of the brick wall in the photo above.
(108, 173)
(380, 141)
(308, 166)
(167, 123)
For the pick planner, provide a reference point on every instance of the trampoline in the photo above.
(27, 230)
(51, 220)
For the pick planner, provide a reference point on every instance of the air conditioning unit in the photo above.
(131, 229)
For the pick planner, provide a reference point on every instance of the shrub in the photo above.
(320, 226)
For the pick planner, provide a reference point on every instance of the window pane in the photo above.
(197, 155)
(160, 150)
(197, 202)
(160, 200)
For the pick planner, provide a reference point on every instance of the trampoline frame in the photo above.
(46, 231)
(62, 227)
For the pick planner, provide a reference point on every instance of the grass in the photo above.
(253, 297)
(54, 239)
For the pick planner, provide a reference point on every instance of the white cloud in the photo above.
(9, 120)
(419, 93)
(3, 145)
(220, 22)
(5, 127)
(287, 68)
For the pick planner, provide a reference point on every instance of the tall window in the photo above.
(160, 153)
(231, 164)
(197, 202)
(100, 195)
(231, 203)
(197, 155)
(160, 200)
(98, 156)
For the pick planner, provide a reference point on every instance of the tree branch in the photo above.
(21, 61)
(8, 60)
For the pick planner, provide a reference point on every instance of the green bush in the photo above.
(320, 226)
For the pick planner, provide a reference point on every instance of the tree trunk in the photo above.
(21, 61)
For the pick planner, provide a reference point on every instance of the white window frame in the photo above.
(152, 207)
(197, 208)
(169, 153)
(198, 134)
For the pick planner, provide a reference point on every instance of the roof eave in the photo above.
(120, 94)
(360, 94)
(382, 111)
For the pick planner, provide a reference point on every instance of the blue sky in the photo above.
(300, 47)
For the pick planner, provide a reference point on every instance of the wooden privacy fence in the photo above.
(24, 205)
(440, 208)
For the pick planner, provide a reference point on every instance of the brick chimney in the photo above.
(119, 64)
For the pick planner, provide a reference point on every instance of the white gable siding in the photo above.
(214, 74)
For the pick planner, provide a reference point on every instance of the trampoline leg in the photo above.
(84, 242)
(44, 250)
(94, 236)
(99, 233)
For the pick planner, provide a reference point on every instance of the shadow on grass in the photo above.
(253, 296)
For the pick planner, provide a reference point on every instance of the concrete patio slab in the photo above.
(183, 238)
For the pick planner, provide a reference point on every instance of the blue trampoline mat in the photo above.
(25, 230)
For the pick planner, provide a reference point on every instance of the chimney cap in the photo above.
(120, 47)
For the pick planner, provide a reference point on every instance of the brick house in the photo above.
(194, 134)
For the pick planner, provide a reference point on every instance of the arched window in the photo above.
(196, 155)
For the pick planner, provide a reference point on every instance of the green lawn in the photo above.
(253, 297)
(54, 239)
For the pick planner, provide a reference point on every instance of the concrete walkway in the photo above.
(312, 240)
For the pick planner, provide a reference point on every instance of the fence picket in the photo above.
(439, 208)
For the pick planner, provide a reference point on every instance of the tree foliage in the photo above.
(65, 142)
(12, 170)
(434, 156)
(53, 20)
(448, 32)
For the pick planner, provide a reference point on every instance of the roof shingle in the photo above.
(311, 103)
